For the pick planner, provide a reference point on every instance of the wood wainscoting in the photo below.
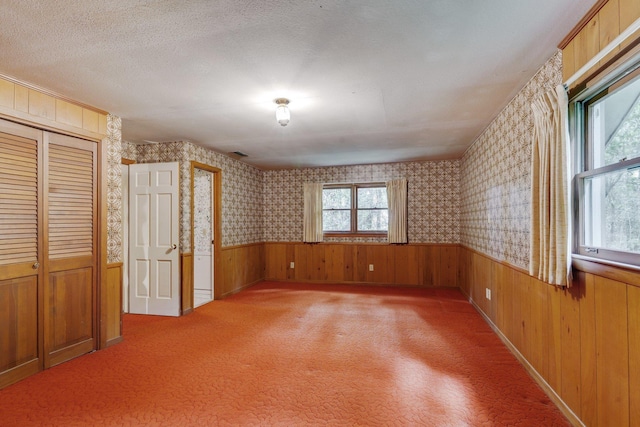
(186, 283)
(422, 265)
(111, 310)
(581, 344)
(242, 266)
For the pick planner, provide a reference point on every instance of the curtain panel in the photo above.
(397, 202)
(312, 221)
(550, 252)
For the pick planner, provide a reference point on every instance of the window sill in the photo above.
(352, 235)
(609, 269)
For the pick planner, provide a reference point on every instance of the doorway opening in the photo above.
(206, 195)
(125, 232)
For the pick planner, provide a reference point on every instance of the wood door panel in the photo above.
(69, 320)
(70, 263)
(20, 269)
(48, 249)
(19, 331)
(71, 230)
(20, 251)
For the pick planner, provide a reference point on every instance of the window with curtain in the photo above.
(606, 121)
(355, 209)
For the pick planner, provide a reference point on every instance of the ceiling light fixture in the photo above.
(283, 115)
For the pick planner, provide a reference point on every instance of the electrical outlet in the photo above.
(292, 265)
(487, 293)
(370, 267)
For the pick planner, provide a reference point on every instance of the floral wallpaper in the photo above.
(114, 189)
(242, 197)
(433, 198)
(202, 191)
(481, 201)
(129, 150)
(242, 201)
(495, 189)
(267, 205)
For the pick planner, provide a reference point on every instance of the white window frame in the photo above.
(583, 163)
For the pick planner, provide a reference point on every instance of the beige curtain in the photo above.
(397, 199)
(550, 255)
(312, 223)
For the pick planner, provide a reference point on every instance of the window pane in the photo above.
(336, 220)
(369, 198)
(373, 220)
(612, 206)
(615, 125)
(336, 198)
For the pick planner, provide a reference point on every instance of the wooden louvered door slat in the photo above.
(70, 247)
(21, 229)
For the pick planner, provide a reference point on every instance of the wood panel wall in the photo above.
(601, 26)
(111, 310)
(408, 265)
(582, 344)
(186, 283)
(37, 107)
(242, 266)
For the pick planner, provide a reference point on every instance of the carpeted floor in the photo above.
(292, 355)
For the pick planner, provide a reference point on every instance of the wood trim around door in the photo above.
(217, 220)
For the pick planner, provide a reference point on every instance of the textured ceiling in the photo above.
(369, 81)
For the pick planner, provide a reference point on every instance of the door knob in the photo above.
(35, 265)
(174, 246)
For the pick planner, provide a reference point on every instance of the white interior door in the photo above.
(154, 280)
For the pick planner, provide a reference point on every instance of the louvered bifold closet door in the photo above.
(71, 231)
(20, 252)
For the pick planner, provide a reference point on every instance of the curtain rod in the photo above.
(604, 52)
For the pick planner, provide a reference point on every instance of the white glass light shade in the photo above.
(282, 114)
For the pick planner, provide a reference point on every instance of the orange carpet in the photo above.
(293, 355)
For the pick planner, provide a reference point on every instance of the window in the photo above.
(608, 180)
(355, 209)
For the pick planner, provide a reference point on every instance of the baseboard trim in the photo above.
(549, 391)
(241, 288)
(114, 341)
(187, 311)
(348, 282)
